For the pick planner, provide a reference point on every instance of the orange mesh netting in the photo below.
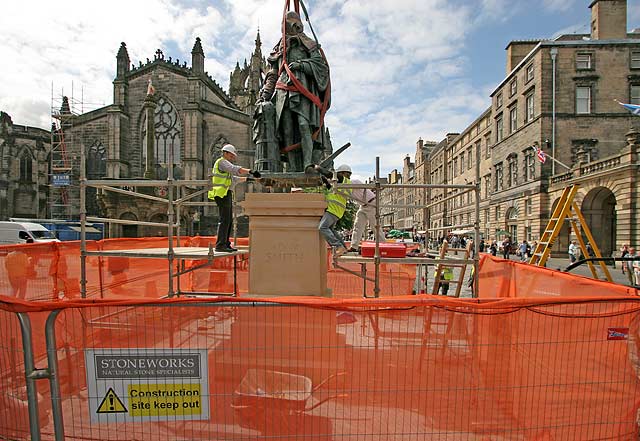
(53, 270)
(416, 367)
(507, 278)
(515, 364)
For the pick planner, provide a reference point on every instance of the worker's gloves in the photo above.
(255, 173)
(326, 182)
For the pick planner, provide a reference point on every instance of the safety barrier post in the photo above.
(31, 374)
(54, 380)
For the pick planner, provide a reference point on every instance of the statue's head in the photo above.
(293, 24)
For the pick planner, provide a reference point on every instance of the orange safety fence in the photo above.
(401, 368)
(507, 278)
(52, 270)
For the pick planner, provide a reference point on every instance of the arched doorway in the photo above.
(599, 210)
(129, 230)
(561, 245)
(157, 231)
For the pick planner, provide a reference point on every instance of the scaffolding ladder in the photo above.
(438, 280)
(567, 210)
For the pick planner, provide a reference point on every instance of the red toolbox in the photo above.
(387, 249)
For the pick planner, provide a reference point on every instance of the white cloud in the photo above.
(558, 5)
(399, 69)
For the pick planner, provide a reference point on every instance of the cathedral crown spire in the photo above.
(122, 61)
(197, 57)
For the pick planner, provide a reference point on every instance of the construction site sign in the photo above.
(128, 385)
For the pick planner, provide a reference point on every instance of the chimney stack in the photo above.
(608, 19)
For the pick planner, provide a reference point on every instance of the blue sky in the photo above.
(401, 69)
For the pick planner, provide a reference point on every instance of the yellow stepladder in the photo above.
(567, 210)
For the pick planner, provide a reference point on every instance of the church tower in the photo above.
(245, 82)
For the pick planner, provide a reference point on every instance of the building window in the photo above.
(497, 212)
(461, 163)
(513, 119)
(26, 167)
(499, 100)
(486, 217)
(499, 129)
(583, 99)
(469, 158)
(635, 60)
(487, 185)
(487, 146)
(529, 73)
(512, 178)
(529, 165)
(167, 133)
(527, 207)
(455, 167)
(498, 181)
(634, 94)
(527, 234)
(530, 107)
(513, 87)
(583, 61)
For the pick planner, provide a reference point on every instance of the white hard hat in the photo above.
(229, 148)
(343, 168)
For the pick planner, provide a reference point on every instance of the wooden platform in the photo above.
(185, 253)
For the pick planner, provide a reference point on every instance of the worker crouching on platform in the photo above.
(224, 175)
(336, 205)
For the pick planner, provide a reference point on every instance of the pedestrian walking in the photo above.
(630, 270)
(506, 247)
(523, 251)
(624, 251)
(573, 251)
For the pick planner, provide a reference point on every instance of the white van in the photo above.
(24, 232)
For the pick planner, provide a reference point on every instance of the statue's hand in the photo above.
(294, 65)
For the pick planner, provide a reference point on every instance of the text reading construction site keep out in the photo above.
(147, 384)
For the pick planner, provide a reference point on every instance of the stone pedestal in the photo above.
(288, 255)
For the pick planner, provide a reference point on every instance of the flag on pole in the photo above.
(542, 156)
(633, 108)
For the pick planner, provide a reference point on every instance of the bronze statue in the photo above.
(288, 122)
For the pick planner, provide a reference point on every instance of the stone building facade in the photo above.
(24, 174)
(594, 139)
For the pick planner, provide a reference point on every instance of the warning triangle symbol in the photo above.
(111, 404)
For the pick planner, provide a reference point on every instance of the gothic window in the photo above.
(96, 168)
(26, 167)
(167, 133)
(215, 151)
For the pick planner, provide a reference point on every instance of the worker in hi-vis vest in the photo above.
(445, 276)
(336, 205)
(224, 175)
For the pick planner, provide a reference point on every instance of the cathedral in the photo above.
(193, 117)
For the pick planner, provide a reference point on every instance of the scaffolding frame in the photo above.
(174, 253)
(377, 188)
(63, 160)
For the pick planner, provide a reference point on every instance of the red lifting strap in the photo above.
(297, 86)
